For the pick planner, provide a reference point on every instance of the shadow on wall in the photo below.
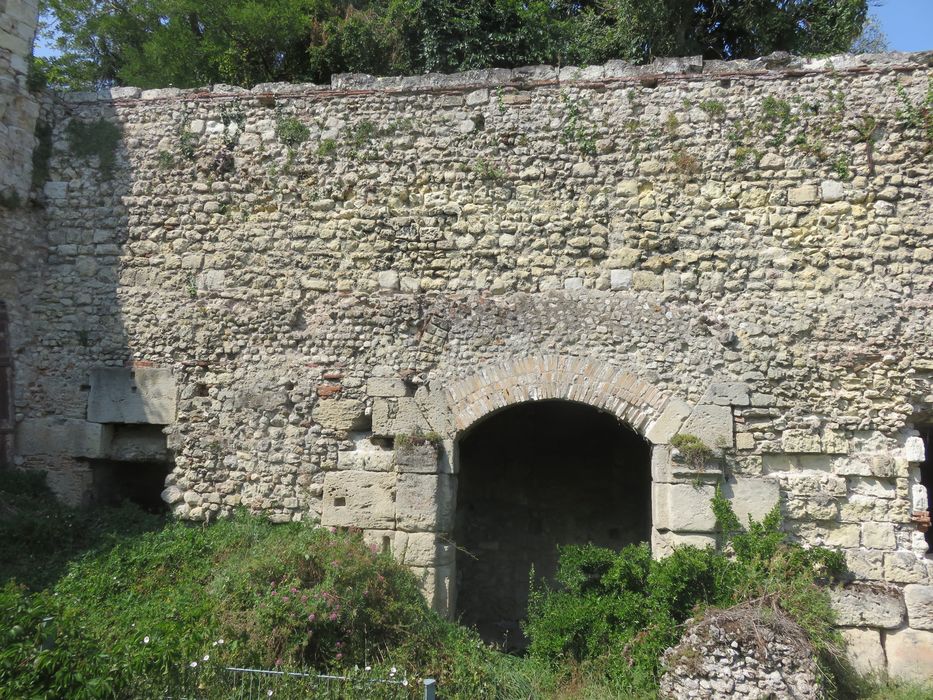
(88, 415)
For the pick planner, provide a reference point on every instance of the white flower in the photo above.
(405, 682)
(146, 639)
(220, 641)
(207, 657)
(369, 668)
(193, 664)
(393, 670)
(269, 693)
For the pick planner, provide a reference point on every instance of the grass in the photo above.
(117, 603)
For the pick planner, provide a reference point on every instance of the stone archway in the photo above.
(630, 420)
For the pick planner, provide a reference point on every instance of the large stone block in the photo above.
(398, 416)
(664, 543)
(863, 647)
(683, 507)
(751, 496)
(426, 502)
(919, 600)
(63, 436)
(437, 585)
(132, 395)
(362, 499)
(423, 549)
(340, 414)
(373, 459)
(905, 567)
(712, 424)
(910, 655)
(668, 423)
(727, 394)
(417, 459)
(801, 441)
(867, 605)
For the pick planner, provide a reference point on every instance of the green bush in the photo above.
(618, 611)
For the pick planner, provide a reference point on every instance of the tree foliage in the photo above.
(153, 43)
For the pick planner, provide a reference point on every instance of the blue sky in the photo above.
(908, 24)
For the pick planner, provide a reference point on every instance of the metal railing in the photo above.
(234, 683)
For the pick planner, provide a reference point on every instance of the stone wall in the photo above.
(282, 280)
(18, 108)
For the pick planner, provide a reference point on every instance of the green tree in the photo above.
(186, 43)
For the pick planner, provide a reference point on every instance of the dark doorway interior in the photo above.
(136, 467)
(532, 477)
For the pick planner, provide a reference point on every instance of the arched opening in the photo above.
(532, 477)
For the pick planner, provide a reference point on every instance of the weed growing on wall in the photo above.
(99, 139)
(291, 131)
(918, 115)
(575, 131)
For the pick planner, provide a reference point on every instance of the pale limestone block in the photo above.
(380, 540)
(866, 605)
(919, 600)
(712, 424)
(423, 549)
(398, 416)
(870, 486)
(835, 442)
(865, 564)
(864, 650)
(663, 544)
(359, 499)
(910, 655)
(904, 567)
(661, 467)
(417, 459)
(744, 441)
(668, 423)
(390, 387)
(438, 586)
(340, 414)
(137, 395)
(373, 460)
(388, 279)
(878, 535)
(620, 279)
(727, 393)
(751, 496)
(683, 507)
(426, 502)
(63, 436)
(914, 449)
(806, 194)
(801, 441)
(842, 535)
(831, 191)
(70, 483)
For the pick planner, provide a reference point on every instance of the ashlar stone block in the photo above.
(919, 600)
(668, 423)
(426, 502)
(417, 459)
(910, 655)
(866, 605)
(362, 499)
(132, 395)
(340, 414)
(437, 583)
(423, 549)
(751, 496)
(863, 647)
(63, 436)
(712, 424)
(683, 507)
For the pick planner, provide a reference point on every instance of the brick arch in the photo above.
(581, 380)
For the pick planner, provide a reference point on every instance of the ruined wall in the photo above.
(282, 280)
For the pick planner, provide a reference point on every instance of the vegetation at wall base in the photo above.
(125, 604)
(618, 611)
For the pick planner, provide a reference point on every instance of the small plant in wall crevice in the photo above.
(694, 451)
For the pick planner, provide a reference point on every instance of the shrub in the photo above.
(291, 132)
(619, 611)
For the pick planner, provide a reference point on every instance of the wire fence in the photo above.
(260, 684)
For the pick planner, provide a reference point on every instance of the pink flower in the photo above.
(284, 598)
(339, 656)
(311, 617)
(333, 616)
(304, 599)
(278, 662)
